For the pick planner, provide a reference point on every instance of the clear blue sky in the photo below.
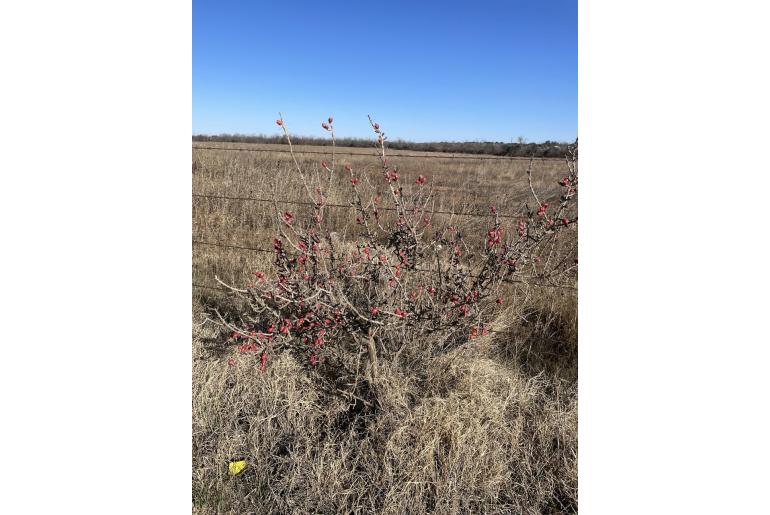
(426, 71)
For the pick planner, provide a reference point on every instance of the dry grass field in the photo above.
(487, 428)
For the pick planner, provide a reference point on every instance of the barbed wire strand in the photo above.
(349, 206)
(215, 244)
(364, 154)
(222, 289)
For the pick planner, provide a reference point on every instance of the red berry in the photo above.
(263, 361)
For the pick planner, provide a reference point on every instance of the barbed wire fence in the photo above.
(348, 206)
(366, 154)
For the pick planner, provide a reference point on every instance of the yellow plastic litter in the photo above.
(236, 467)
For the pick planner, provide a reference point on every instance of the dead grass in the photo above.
(488, 428)
(477, 435)
(461, 185)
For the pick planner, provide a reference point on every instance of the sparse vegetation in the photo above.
(388, 359)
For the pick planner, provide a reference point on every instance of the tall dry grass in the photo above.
(461, 185)
(490, 427)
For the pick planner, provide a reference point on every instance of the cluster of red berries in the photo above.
(494, 237)
(475, 332)
(521, 227)
(391, 176)
(246, 347)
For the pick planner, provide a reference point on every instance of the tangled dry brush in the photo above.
(399, 362)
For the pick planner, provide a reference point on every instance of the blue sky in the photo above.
(426, 71)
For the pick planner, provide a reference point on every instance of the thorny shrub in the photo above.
(401, 280)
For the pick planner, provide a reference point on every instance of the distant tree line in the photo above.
(493, 148)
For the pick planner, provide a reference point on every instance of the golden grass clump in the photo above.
(470, 434)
